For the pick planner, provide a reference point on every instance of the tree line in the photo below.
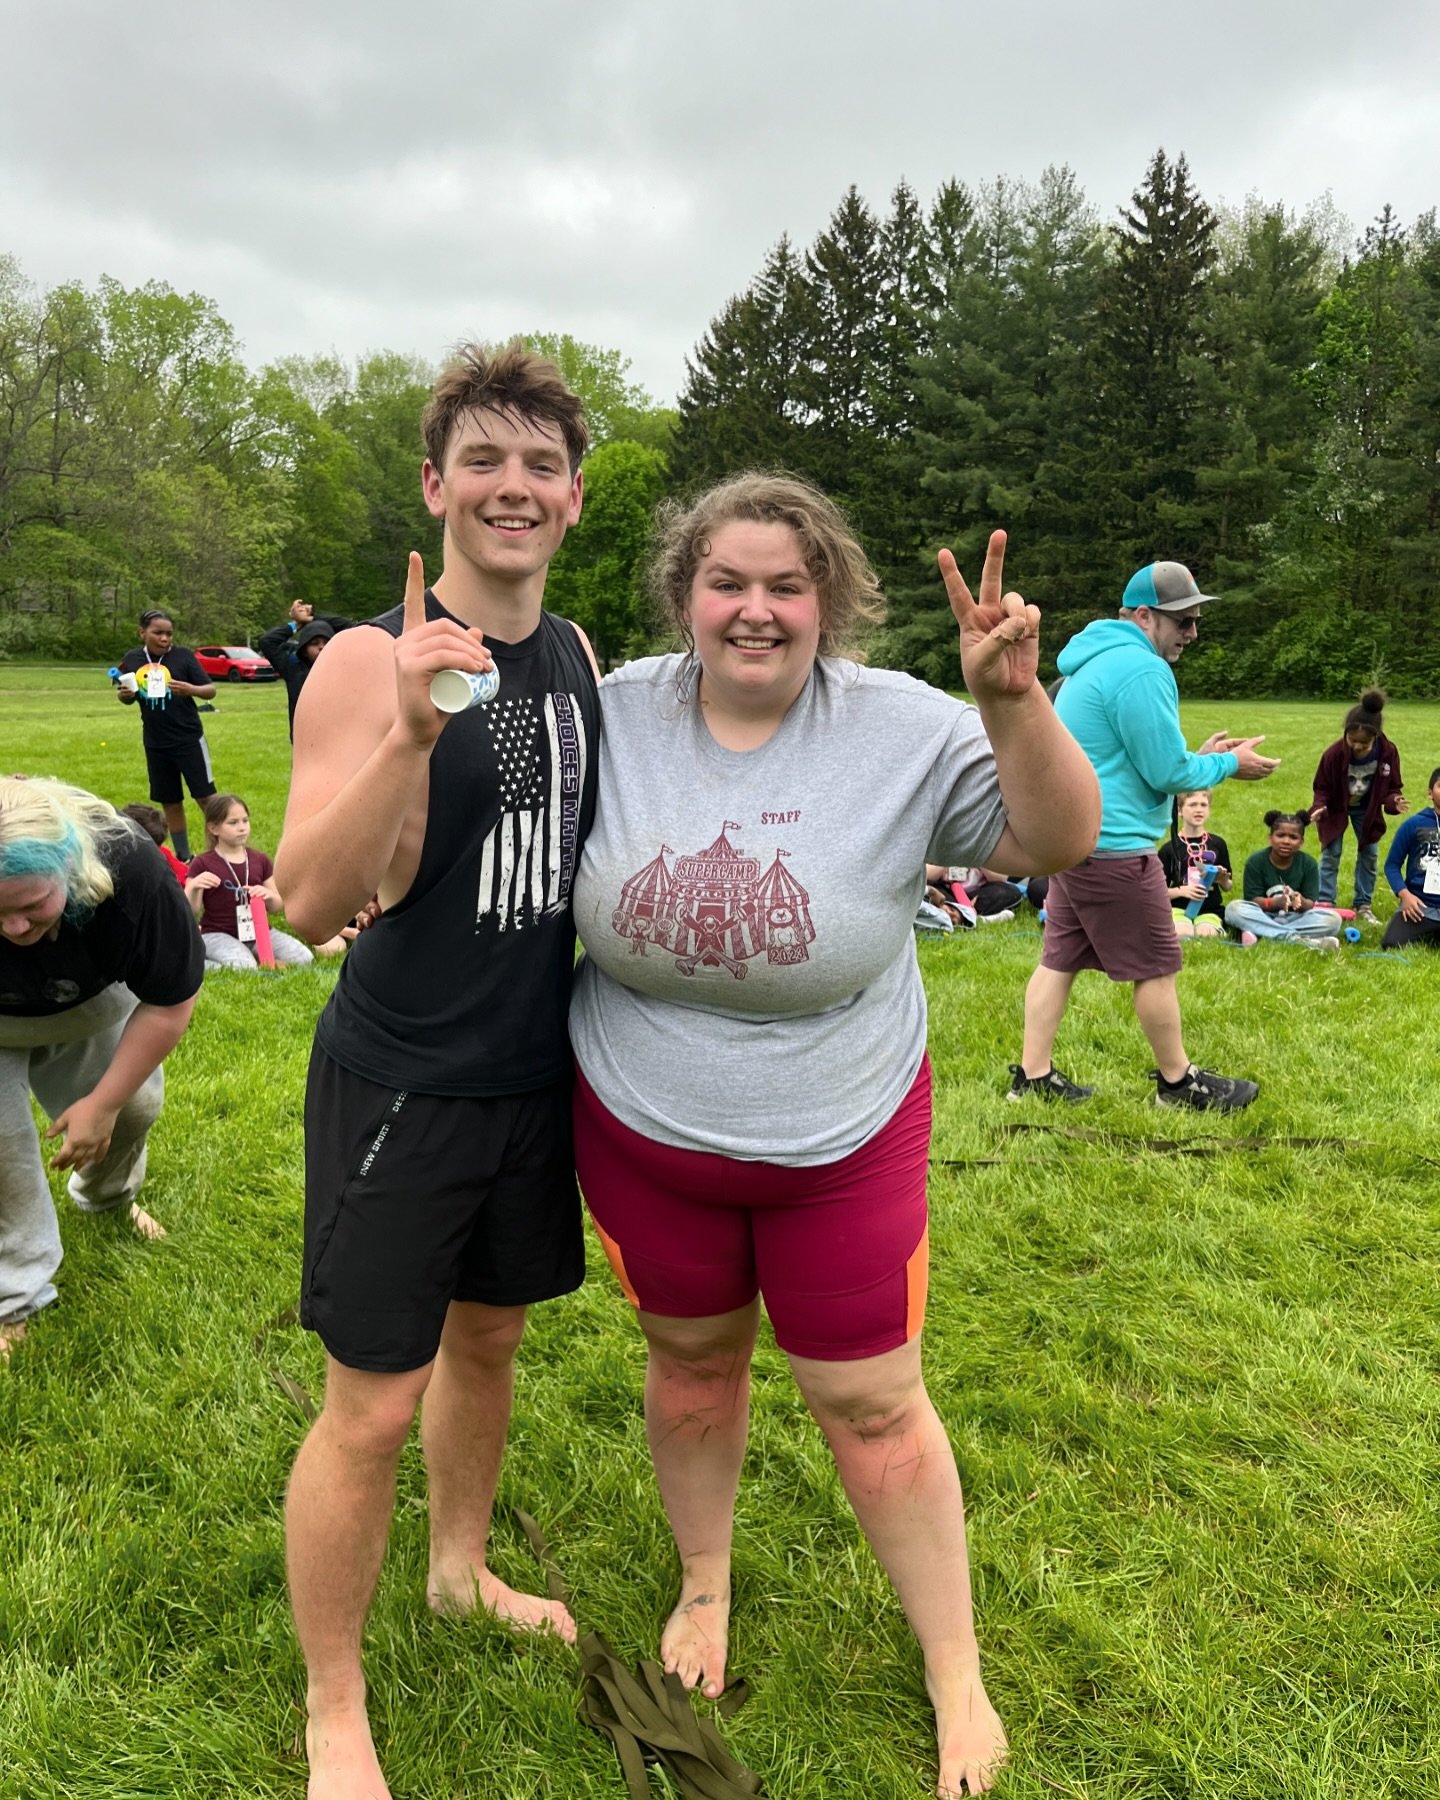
(1241, 393)
(1248, 392)
(143, 464)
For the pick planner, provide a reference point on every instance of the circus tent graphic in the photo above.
(644, 913)
(784, 914)
(714, 909)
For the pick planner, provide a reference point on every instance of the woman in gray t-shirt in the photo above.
(753, 1110)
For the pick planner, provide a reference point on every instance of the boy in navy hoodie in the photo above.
(1120, 703)
(1413, 870)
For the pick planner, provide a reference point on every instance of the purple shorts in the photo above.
(839, 1250)
(1111, 913)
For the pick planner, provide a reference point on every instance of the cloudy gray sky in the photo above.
(387, 176)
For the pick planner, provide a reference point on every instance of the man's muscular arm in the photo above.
(364, 730)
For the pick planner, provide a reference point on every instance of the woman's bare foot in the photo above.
(697, 1634)
(147, 1226)
(971, 1739)
(10, 1336)
(462, 1593)
(343, 1764)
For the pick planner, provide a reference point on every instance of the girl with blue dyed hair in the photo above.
(100, 963)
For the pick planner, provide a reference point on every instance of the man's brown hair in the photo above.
(511, 381)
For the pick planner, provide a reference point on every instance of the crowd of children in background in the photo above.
(1285, 893)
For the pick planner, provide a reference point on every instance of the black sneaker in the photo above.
(1205, 1090)
(1053, 1086)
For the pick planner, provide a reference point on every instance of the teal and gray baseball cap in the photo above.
(1165, 586)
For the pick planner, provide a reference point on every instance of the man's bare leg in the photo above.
(697, 1415)
(1046, 996)
(1157, 1006)
(337, 1519)
(899, 1471)
(463, 1425)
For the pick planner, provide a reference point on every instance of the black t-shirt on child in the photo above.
(1179, 855)
(143, 935)
(174, 723)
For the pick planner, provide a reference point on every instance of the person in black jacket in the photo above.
(292, 646)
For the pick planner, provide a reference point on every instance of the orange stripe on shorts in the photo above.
(616, 1259)
(917, 1285)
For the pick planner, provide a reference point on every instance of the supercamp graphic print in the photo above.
(715, 910)
(527, 862)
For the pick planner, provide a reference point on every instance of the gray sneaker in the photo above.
(1050, 1086)
(1205, 1090)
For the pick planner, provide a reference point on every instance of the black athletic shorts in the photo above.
(166, 767)
(415, 1200)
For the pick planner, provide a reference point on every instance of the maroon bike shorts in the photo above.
(840, 1251)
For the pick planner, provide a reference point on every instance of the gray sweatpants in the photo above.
(225, 952)
(60, 1059)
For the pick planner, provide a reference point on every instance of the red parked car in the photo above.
(233, 662)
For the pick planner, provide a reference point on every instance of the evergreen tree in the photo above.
(993, 398)
(742, 405)
(1150, 342)
(885, 497)
(845, 347)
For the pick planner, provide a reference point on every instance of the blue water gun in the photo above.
(1207, 875)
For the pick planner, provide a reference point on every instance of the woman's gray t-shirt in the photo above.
(750, 985)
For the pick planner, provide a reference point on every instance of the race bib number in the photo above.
(244, 920)
(1432, 876)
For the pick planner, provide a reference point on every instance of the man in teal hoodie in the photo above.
(1120, 703)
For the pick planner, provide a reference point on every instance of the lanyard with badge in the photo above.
(155, 682)
(244, 917)
(1430, 863)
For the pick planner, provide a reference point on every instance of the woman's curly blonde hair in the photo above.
(850, 596)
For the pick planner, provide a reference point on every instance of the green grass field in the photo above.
(1190, 1366)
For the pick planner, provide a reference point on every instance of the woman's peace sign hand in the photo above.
(999, 634)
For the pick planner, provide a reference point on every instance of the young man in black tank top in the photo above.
(440, 1191)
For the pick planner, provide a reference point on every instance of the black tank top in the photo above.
(463, 987)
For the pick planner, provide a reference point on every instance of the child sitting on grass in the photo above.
(227, 882)
(1281, 885)
(151, 821)
(1413, 870)
(1185, 857)
(1356, 783)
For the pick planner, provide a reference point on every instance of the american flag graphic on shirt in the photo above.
(527, 863)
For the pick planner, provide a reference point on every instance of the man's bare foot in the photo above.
(971, 1739)
(10, 1335)
(697, 1635)
(462, 1593)
(343, 1764)
(147, 1226)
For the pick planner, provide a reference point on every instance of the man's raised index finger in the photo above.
(414, 593)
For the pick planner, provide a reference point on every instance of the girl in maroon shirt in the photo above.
(228, 883)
